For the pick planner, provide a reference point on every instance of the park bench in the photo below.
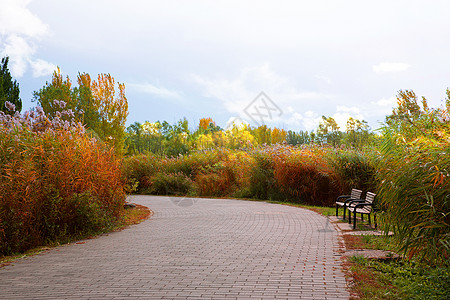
(343, 200)
(363, 207)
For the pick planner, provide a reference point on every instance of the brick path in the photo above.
(191, 249)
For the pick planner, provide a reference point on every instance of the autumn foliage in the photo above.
(55, 182)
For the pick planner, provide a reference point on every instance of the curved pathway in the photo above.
(191, 249)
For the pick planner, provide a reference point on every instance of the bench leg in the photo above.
(337, 207)
(345, 209)
(368, 216)
(354, 220)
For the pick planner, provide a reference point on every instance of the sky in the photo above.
(279, 63)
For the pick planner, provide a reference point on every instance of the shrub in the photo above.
(238, 167)
(305, 175)
(353, 168)
(212, 183)
(262, 180)
(170, 184)
(139, 169)
(191, 165)
(55, 182)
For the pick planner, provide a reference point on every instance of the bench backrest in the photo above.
(370, 197)
(355, 194)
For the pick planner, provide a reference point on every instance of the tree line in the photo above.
(163, 138)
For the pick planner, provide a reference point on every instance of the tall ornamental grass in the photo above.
(415, 188)
(56, 182)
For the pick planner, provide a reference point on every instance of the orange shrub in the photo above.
(304, 175)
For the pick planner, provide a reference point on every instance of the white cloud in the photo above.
(235, 122)
(343, 113)
(343, 108)
(383, 106)
(388, 67)
(19, 51)
(323, 78)
(311, 120)
(158, 91)
(237, 93)
(390, 102)
(42, 68)
(308, 121)
(19, 28)
(15, 18)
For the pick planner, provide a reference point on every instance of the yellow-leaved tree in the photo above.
(112, 110)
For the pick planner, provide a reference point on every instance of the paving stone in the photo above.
(210, 249)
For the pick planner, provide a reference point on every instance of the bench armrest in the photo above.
(342, 197)
(363, 204)
(353, 200)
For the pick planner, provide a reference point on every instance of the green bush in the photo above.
(262, 180)
(138, 170)
(170, 184)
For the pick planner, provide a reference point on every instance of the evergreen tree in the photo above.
(9, 89)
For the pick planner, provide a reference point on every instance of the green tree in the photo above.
(133, 140)
(9, 88)
(294, 138)
(59, 89)
(86, 107)
(357, 133)
(328, 131)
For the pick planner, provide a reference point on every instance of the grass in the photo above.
(131, 217)
(398, 279)
(323, 210)
(392, 278)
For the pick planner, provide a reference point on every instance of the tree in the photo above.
(112, 110)
(205, 123)
(294, 138)
(357, 132)
(239, 136)
(328, 131)
(86, 106)
(59, 89)
(133, 139)
(262, 135)
(9, 88)
(412, 120)
(94, 103)
(278, 136)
